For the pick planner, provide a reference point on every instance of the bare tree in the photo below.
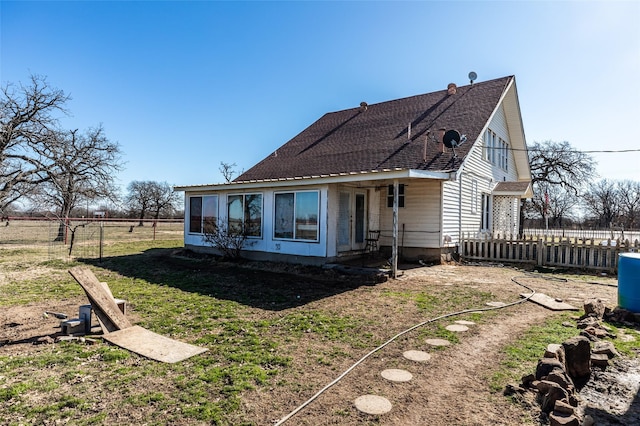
(629, 197)
(602, 203)
(150, 197)
(228, 171)
(557, 167)
(27, 127)
(80, 168)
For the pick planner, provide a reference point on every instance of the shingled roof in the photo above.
(377, 138)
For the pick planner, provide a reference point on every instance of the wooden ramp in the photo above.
(118, 330)
(549, 302)
(152, 345)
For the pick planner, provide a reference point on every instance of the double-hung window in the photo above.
(244, 214)
(203, 213)
(296, 215)
(400, 195)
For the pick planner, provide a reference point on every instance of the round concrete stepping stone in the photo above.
(457, 327)
(418, 356)
(496, 304)
(437, 342)
(396, 375)
(373, 404)
(465, 322)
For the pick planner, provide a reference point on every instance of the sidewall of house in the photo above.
(266, 243)
(462, 208)
(420, 218)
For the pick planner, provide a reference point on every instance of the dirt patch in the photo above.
(449, 389)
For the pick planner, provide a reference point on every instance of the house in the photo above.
(422, 170)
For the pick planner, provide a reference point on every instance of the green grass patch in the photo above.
(521, 357)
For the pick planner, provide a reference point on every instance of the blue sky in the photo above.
(182, 86)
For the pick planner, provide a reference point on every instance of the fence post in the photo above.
(541, 251)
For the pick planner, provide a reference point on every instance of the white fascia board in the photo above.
(320, 180)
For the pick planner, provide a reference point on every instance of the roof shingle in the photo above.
(377, 138)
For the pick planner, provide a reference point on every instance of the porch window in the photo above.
(203, 213)
(400, 195)
(296, 215)
(245, 214)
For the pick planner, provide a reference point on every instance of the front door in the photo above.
(352, 219)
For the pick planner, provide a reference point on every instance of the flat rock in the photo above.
(418, 356)
(396, 375)
(457, 327)
(496, 304)
(549, 302)
(465, 322)
(437, 342)
(373, 404)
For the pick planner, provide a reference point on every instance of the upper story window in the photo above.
(496, 150)
(245, 214)
(203, 213)
(400, 195)
(296, 215)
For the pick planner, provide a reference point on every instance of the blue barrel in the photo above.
(629, 281)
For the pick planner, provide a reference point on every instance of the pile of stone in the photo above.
(565, 368)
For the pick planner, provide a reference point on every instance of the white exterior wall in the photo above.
(420, 215)
(462, 211)
(267, 243)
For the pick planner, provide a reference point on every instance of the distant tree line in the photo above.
(46, 169)
(568, 193)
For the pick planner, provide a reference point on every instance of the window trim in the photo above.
(295, 196)
(244, 198)
(202, 216)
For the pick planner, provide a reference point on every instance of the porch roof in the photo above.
(363, 176)
(515, 189)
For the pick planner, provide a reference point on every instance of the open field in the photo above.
(276, 335)
(90, 238)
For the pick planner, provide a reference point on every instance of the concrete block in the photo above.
(72, 326)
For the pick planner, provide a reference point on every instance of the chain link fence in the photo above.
(55, 239)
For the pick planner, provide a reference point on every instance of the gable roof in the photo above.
(377, 138)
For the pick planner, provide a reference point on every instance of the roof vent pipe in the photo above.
(424, 148)
(441, 133)
(363, 106)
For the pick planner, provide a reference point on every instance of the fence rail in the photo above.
(82, 237)
(548, 250)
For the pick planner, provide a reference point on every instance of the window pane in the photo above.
(209, 212)
(195, 214)
(235, 214)
(360, 222)
(253, 215)
(306, 216)
(284, 216)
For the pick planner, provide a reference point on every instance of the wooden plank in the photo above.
(152, 345)
(103, 304)
(549, 302)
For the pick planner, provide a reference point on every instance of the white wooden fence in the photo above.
(552, 251)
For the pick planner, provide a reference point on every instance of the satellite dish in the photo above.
(451, 138)
(472, 77)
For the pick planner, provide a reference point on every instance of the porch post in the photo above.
(394, 244)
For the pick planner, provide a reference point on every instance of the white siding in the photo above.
(458, 212)
(418, 220)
